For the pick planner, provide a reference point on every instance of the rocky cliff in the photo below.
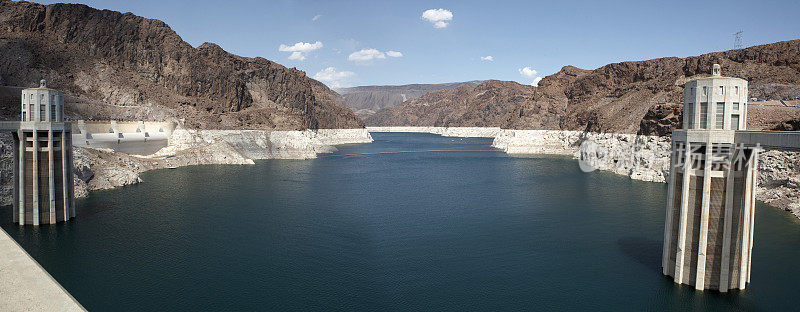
(366, 100)
(489, 104)
(630, 97)
(115, 65)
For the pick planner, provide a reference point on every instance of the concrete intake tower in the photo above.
(708, 235)
(43, 159)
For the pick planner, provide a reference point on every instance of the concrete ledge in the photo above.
(25, 285)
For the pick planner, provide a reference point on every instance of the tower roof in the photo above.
(716, 73)
(42, 87)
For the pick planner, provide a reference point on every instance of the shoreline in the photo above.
(102, 168)
(639, 157)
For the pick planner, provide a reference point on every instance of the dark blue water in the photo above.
(437, 231)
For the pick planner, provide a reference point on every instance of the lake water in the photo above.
(422, 231)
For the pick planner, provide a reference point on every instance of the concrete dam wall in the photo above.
(131, 137)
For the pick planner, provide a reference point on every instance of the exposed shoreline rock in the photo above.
(100, 169)
(646, 158)
(640, 157)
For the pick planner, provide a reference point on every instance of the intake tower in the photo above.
(43, 159)
(708, 235)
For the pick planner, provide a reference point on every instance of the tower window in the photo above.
(704, 115)
(30, 109)
(688, 120)
(735, 106)
(53, 112)
(705, 90)
(736, 90)
(722, 90)
(720, 115)
(41, 113)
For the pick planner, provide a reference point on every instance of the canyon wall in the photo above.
(366, 100)
(637, 97)
(120, 66)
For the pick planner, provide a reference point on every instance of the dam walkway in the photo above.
(26, 286)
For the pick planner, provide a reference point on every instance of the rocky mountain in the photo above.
(366, 100)
(489, 104)
(122, 66)
(629, 97)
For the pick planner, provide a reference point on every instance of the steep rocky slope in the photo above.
(489, 104)
(630, 97)
(121, 65)
(366, 100)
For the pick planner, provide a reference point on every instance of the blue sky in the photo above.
(540, 35)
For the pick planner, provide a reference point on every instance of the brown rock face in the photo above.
(621, 94)
(488, 104)
(789, 125)
(102, 57)
(630, 97)
(661, 119)
(366, 100)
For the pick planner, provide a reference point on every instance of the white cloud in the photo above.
(530, 73)
(297, 56)
(394, 54)
(438, 17)
(366, 55)
(488, 58)
(300, 49)
(316, 17)
(527, 72)
(335, 79)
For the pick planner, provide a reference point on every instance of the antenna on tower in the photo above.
(737, 40)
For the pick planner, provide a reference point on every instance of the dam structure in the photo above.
(130, 137)
(708, 232)
(43, 179)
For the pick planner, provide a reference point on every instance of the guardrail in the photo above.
(771, 139)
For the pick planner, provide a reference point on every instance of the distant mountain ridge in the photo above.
(489, 104)
(116, 65)
(629, 97)
(366, 100)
